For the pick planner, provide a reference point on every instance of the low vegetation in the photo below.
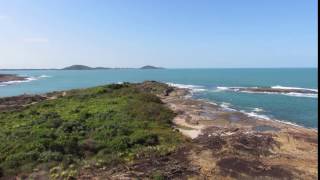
(99, 126)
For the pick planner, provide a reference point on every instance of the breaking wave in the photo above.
(281, 90)
(227, 106)
(265, 117)
(254, 114)
(257, 110)
(297, 88)
(193, 88)
(28, 79)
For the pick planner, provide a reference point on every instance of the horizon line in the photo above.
(108, 68)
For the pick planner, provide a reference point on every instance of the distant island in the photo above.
(151, 67)
(83, 67)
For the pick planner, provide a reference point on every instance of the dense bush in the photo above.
(108, 124)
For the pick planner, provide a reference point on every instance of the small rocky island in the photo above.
(272, 90)
(11, 77)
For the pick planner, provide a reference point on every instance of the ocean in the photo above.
(208, 84)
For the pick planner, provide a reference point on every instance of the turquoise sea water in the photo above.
(207, 84)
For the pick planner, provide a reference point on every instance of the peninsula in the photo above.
(146, 130)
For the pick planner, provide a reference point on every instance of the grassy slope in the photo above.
(102, 125)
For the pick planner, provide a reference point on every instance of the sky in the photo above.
(166, 33)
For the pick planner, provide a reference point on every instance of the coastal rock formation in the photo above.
(272, 90)
(218, 144)
(17, 102)
(231, 145)
(11, 77)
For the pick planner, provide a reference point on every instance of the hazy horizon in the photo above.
(169, 34)
(166, 68)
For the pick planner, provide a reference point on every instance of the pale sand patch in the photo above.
(193, 132)
(190, 133)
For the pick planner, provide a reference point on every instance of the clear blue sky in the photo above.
(168, 33)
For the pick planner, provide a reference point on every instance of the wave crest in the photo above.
(28, 79)
(281, 90)
(193, 88)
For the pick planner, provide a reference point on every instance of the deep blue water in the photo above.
(292, 108)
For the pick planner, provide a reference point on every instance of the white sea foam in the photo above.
(193, 88)
(258, 110)
(212, 103)
(287, 122)
(295, 94)
(265, 117)
(44, 76)
(309, 95)
(226, 106)
(18, 81)
(256, 115)
(28, 79)
(222, 88)
(295, 88)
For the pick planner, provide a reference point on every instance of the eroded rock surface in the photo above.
(231, 145)
(10, 77)
(272, 90)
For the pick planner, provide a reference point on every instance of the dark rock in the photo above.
(11, 77)
(237, 167)
(168, 91)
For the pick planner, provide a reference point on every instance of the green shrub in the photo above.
(158, 176)
(144, 138)
(104, 125)
(53, 123)
(49, 156)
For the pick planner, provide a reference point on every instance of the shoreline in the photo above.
(12, 79)
(8, 78)
(219, 143)
(180, 93)
(187, 93)
(240, 143)
(259, 117)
